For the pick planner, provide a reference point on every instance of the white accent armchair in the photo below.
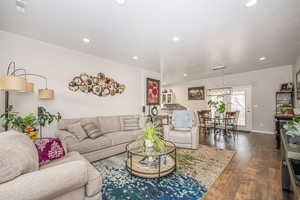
(183, 130)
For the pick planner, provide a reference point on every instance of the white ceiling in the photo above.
(212, 32)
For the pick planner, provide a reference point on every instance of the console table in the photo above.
(287, 154)
(280, 120)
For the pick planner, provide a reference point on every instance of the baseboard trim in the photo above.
(263, 132)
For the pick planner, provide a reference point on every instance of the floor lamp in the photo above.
(13, 81)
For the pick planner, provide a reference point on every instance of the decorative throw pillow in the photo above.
(49, 149)
(92, 130)
(130, 123)
(77, 130)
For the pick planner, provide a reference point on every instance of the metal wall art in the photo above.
(98, 85)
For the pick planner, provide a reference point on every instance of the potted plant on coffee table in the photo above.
(151, 139)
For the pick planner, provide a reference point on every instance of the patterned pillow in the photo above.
(77, 130)
(130, 123)
(49, 149)
(91, 130)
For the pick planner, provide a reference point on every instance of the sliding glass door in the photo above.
(240, 100)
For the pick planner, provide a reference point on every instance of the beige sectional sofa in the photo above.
(115, 135)
(71, 177)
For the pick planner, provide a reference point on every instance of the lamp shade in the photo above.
(46, 94)
(12, 83)
(29, 87)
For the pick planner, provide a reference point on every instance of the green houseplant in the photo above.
(46, 118)
(27, 124)
(293, 127)
(152, 142)
(292, 130)
(218, 105)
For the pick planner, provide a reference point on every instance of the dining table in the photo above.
(219, 123)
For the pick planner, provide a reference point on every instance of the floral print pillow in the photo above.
(49, 149)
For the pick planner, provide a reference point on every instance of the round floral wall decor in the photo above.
(98, 85)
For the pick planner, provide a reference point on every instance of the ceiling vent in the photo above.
(21, 5)
(218, 67)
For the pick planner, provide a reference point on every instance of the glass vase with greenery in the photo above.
(151, 139)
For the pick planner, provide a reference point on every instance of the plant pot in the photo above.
(149, 146)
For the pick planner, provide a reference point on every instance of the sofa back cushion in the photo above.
(77, 130)
(130, 122)
(18, 155)
(64, 123)
(109, 124)
(49, 149)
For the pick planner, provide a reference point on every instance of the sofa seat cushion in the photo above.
(182, 137)
(94, 177)
(110, 124)
(122, 137)
(89, 145)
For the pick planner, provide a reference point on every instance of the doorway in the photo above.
(240, 100)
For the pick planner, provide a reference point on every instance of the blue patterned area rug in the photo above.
(194, 168)
(119, 185)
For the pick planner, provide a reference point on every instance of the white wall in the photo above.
(60, 65)
(264, 85)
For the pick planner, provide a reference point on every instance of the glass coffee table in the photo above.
(150, 165)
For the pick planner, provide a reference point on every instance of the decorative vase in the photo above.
(149, 146)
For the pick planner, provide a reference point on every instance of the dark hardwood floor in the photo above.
(254, 172)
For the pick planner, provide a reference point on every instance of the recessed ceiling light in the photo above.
(219, 67)
(21, 5)
(262, 58)
(185, 75)
(121, 2)
(175, 39)
(251, 3)
(135, 58)
(86, 40)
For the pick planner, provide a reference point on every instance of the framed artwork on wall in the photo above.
(298, 85)
(196, 93)
(153, 91)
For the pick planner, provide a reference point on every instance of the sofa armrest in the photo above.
(46, 184)
(66, 137)
(195, 137)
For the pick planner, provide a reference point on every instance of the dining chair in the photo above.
(204, 121)
(232, 123)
